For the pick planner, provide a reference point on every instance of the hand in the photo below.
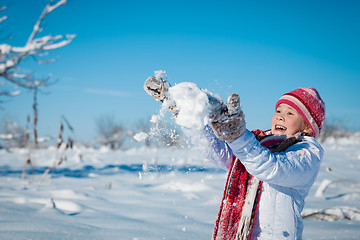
(156, 87)
(230, 124)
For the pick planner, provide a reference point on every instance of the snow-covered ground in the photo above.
(144, 193)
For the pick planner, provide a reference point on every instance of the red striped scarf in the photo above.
(243, 191)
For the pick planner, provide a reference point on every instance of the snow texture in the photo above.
(193, 105)
(153, 193)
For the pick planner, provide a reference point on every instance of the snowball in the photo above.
(192, 103)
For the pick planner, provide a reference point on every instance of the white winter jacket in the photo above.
(287, 177)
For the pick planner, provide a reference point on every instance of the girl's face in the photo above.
(287, 121)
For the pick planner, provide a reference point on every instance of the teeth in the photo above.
(280, 127)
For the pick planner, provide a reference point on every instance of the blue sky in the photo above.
(259, 49)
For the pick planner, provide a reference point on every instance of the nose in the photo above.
(279, 117)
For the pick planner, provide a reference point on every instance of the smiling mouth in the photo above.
(280, 128)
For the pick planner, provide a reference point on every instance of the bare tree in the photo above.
(35, 47)
(334, 128)
(111, 132)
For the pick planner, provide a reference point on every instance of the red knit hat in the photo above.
(309, 104)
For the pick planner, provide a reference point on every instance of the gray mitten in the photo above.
(156, 87)
(230, 124)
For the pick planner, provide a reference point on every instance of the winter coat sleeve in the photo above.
(297, 167)
(212, 148)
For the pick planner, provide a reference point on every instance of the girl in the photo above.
(270, 173)
(285, 166)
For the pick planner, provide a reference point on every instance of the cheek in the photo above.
(273, 118)
(298, 124)
(273, 121)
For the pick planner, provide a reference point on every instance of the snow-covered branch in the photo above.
(48, 9)
(3, 18)
(36, 47)
(7, 93)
